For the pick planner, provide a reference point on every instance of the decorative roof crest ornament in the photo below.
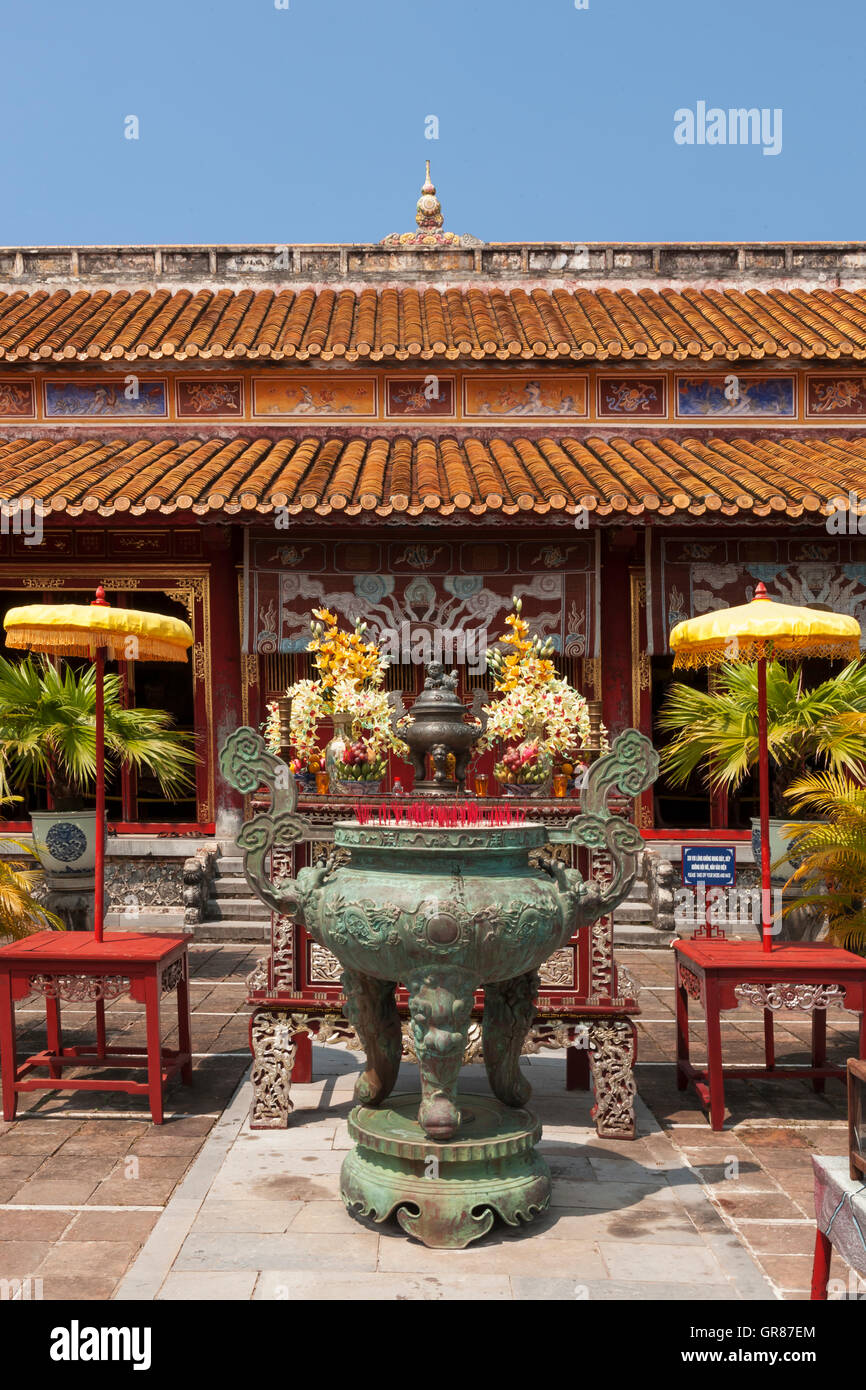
(430, 222)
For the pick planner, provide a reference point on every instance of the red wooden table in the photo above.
(794, 976)
(75, 967)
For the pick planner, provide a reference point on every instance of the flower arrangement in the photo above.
(342, 657)
(535, 706)
(348, 688)
(271, 727)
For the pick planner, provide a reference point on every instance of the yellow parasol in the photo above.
(760, 631)
(98, 631)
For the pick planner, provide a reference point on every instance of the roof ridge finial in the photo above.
(429, 221)
(428, 215)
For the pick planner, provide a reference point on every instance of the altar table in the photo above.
(75, 967)
(587, 1002)
(794, 976)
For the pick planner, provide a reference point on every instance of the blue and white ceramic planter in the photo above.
(65, 841)
(781, 868)
(803, 923)
(356, 786)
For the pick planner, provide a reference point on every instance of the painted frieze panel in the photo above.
(53, 544)
(540, 396)
(555, 556)
(90, 543)
(344, 395)
(429, 395)
(141, 543)
(106, 397)
(836, 395)
(484, 557)
(99, 542)
(418, 556)
(519, 399)
(17, 398)
(198, 399)
(631, 395)
(362, 557)
(290, 555)
(729, 395)
(187, 544)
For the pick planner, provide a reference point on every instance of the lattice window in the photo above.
(282, 669)
(570, 668)
(402, 676)
(473, 680)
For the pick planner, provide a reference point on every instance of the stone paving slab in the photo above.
(758, 1171)
(84, 1178)
(259, 1216)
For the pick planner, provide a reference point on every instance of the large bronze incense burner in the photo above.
(445, 910)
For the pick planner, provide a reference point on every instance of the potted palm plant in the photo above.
(20, 911)
(716, 731)
(831, 854)
(48, 729)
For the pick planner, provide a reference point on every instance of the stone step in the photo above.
(639, 891)
(230, 865)
(231, 887)
(156, 923)
(641, 934)
(245, 909)
(232, 931)
(629, 911)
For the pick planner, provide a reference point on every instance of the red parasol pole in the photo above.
(764, 781)
(99, 885)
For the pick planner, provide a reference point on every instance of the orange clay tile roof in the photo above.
(376, 324)
(326, 475)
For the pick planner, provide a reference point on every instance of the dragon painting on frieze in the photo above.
(688, 577)
(459, 587)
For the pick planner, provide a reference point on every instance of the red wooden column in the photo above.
(616, 693)
(223, 551)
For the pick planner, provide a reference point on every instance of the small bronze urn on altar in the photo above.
(440, 725)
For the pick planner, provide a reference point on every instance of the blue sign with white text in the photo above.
(709, 864)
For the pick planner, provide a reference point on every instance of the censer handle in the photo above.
(246, 764)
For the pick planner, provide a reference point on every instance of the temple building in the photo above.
(412, 432)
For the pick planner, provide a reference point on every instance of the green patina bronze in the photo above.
(444, 911)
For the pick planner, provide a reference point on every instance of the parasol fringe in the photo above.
(121, 646)
(752, 649)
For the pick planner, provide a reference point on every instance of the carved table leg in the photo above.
(612, 1050)
(509, 1009)
(372, 1010)
(440, 1006)
(272, 1038)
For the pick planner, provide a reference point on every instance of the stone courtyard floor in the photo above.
(98, 1203)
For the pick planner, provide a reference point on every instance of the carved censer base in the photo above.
(445, 1194)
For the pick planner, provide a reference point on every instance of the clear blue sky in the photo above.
(307, 124)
